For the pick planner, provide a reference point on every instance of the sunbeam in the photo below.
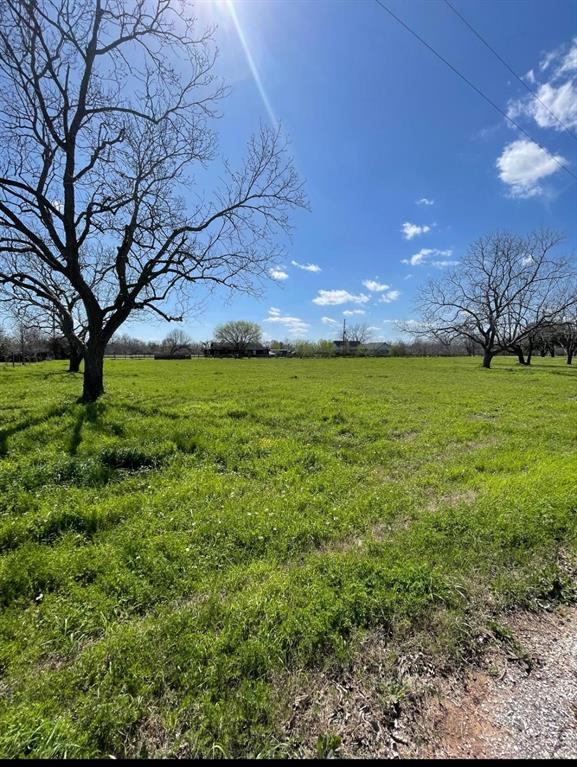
(251, 62)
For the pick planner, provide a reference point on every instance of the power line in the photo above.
(474, 87)
(533, 93)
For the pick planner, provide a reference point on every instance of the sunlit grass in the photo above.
(171, 553)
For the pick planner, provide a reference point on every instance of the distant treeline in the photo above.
(29, 345)
(24, 344)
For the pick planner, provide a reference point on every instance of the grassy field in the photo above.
(177, 559)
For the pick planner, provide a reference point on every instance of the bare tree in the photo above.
(505, 289)
(42, 301)
(5, 344)
(565, 334)
(359, 333)
(177, 341)
(105, 106)
(238, 334)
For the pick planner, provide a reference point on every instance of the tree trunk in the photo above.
(570, 357)
(93, 371)
(521, 355)
(76, 356)
(487, 357)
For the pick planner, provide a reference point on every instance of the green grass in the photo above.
(173, 556)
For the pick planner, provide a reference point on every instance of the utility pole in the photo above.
(345, 343)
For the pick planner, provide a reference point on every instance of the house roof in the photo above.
(339, 342)
(248, 347)
(374, 345)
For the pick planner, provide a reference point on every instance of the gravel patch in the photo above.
(520, 707)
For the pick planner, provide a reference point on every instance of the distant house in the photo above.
(376, 349)
(217, 349)
(369, 349)
(281, 353)
(346, 347)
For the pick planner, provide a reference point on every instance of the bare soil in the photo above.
(521, 703)
(520, 706)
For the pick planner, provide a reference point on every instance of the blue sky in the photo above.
(377, 124)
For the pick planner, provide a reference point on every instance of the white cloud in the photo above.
(555, 101)
(442, 264)
(413, 230)
(403, 325)
(523, 164)
(293, 325)
(424, 253)
(561, 102)
(353, 312)
(564, 59)
(374, 286)
(278, 274)
(548, 59)
(329, 321)
(569, 61)
(335, 297)
(556, 105)
(389, 296)
(529, 76)
(307, 267)
(425, 201)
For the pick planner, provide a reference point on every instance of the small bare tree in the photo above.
(105, 107)
(177, 341)
(505, 289)
(565, 334)
(5, 344)
(40, 300)
(238, 334)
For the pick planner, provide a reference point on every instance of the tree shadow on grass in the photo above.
(54, 412)
(91, 413)
(567, 372)
(61, 374)
(545, 367)
(149, 412)
(557, 370)
(561, 367)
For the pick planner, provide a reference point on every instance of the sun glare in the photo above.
(230, 8)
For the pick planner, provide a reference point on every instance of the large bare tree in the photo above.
(505, 289)
(105, 109)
